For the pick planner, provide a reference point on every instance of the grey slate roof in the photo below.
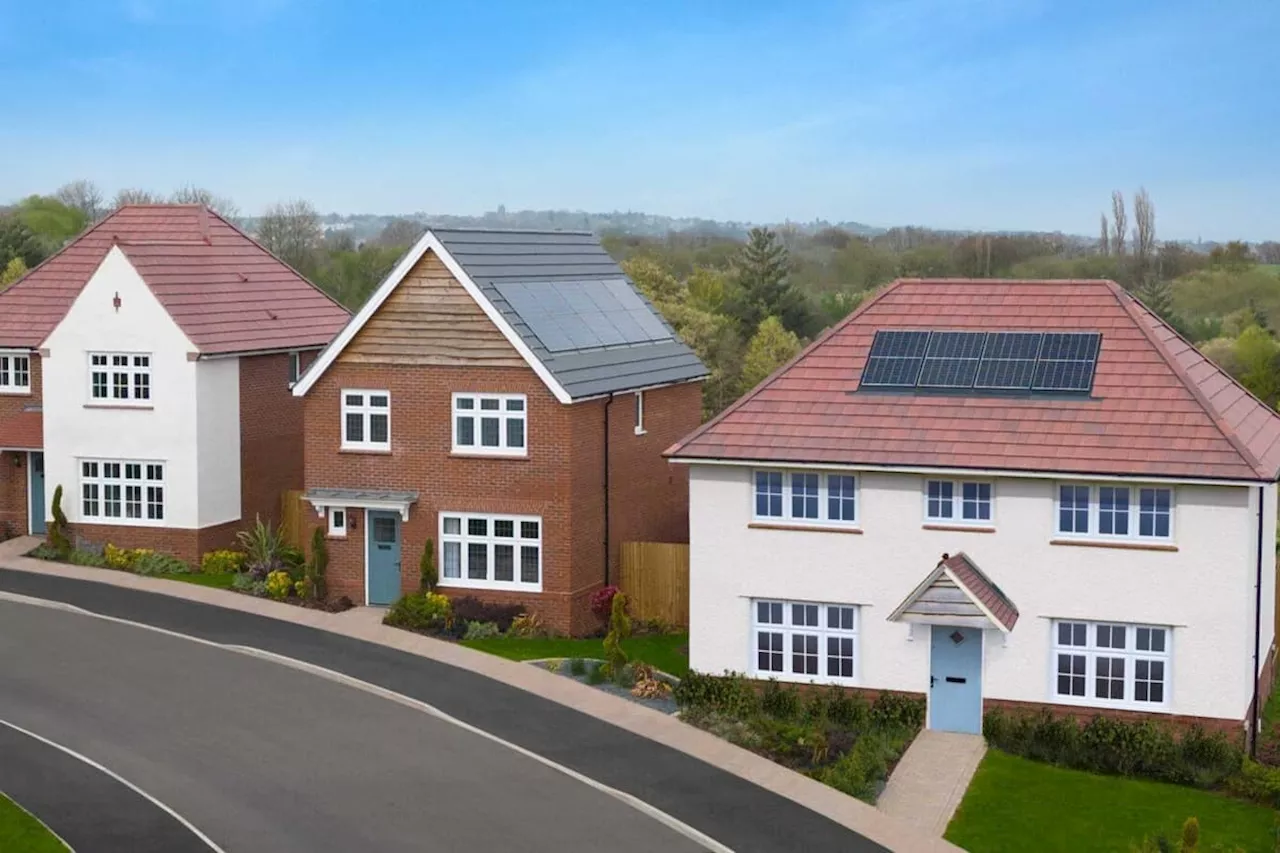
(493, 258)
(358, 496)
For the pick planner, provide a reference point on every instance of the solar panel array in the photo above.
(577, 315)
(1053, 362)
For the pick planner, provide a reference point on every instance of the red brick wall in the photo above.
(13, 480)
(271, 443)
(1234, 729)
(187, 545)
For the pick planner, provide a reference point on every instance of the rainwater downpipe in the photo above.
(608, 403)
(1257, 631)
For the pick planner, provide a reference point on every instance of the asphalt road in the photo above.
(735, 812)
(263, 757)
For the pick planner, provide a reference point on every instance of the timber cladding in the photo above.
(430, 319)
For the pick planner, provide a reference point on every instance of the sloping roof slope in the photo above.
(495, 258)
(226, 292)
(957, 587)
(1158, 407)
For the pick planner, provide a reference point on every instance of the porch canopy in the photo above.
(383, 499)
(956, 592)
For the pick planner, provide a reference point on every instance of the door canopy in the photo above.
(956, 592)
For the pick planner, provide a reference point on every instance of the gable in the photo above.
(430, 319)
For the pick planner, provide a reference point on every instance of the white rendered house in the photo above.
(993, 493)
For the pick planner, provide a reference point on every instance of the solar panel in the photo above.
(1009, 361)
(1067, 361)
(951, 359)
(575, 315)
(895, 359)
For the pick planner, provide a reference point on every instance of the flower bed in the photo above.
(830, 734)
(638, 682)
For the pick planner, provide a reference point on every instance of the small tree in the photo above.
(319, 564)
(615, 658)
(428, 577)
(58, 536)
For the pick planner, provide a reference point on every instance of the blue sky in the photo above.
(999, 114)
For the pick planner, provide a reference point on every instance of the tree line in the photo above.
(748, 305)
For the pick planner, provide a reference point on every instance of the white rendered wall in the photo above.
(166, 430)
(218, 440)
(1205, 590)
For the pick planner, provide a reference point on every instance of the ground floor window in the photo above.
(804, 641)
(491, 551)
(1112, 664)
(120, 492)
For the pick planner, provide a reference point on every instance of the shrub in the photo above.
(847, 710)
(77, 557)
(421, 611)
(480, 630)
(258, 588)
(304, 589)
(1256, 782)
(647, 684)
(118, 558)
(154, 563)
(222, 562)
(243, 582)
(471, 609)
(898, 710)
(528, 625)
(602, 602)
(615, 658)
(263, 546)
(653, 627)
(861, 771)
(596, 674)
(781, 703)
(43, 551)
(279, 584)
(318, 567)
(428, 575)
(59, 539)
(730, 694)
(577, 666)
(553, 665)
(293, 561)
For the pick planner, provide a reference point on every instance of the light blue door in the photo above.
(955, 680)
(36, 461)
(384, 557)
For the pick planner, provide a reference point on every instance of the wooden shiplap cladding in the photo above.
(431, 319)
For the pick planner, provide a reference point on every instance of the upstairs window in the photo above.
(119, 378)
(639, 430)
(295, 367)
(366, 420)
(962, 502)
(491, 424)
(805, 497)
(15, 373)
(1115, 512)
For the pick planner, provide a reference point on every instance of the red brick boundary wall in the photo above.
(187, 545)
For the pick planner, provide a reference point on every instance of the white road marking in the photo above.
(123, 781)
(635, 802)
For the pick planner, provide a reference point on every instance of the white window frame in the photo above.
(957, 502)
(640, 430)
(824, 517)
(15, 364)
(135, 488)
(504, 414)
(295, 367)
(366, 410)
(135, 368)
(789, 630)
(1129, 653)
(461, 540)
(336, 518)
(1134, 514)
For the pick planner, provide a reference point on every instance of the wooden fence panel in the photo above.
(655, 578)
(293, 524)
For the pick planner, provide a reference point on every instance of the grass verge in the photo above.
(1013, 800)
(20, 831)
(667, 652)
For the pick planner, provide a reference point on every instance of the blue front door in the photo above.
(36, 504)
(955, 679)
(384, 557)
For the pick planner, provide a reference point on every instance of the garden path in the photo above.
(929, 782)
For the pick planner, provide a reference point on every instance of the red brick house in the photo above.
(146, 369)
(507, 395)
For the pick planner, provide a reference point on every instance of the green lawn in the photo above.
(20, 831)
(218, 581)
(669, 652)
(1015, 804)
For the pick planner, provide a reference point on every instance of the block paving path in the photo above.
(929, 782)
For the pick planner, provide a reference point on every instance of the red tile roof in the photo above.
(980, 588)
(226, 292)
(22, 431)
(1158, 407)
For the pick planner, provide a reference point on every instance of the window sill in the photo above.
(1129, 546)
(15, 392)
(137, 407)
(472, 454)
(1137, 707)
(811, 528)
(120, 522)
(462, 583)
(958, 528)
(373, 451)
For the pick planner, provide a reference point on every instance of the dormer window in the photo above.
(15, 373)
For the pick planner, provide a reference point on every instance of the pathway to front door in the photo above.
(382, 533)
(955, 679)
(929, 782)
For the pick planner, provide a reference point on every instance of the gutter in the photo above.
(1255, 711)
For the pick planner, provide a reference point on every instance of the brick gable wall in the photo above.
(13, 465)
